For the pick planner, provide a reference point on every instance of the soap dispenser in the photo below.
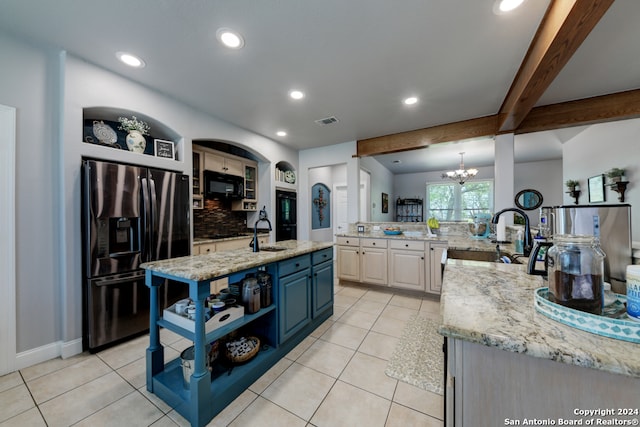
(519, 242)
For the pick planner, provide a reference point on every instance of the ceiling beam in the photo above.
(565, 25)
(599, 109)
(421, 138)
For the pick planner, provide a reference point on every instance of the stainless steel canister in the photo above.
(264, 280)
(250, 294)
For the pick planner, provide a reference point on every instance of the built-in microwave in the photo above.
(218, 185)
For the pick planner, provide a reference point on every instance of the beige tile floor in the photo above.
(334, 378)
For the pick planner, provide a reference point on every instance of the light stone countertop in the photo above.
(217, 264)
(205, 240)
(493, 304)
(453, 241)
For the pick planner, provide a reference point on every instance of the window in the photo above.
(454, 202)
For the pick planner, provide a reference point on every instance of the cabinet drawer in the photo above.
(294, 265)
(412, 245)
(374, 243)
(322, 256)
(348, 241)
(206, 248)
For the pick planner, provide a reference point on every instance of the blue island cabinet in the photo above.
(302, 300)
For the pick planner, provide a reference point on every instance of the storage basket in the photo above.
(242, 349)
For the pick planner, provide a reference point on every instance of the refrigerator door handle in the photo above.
(153, 235)
(146, 244)
(111, 280)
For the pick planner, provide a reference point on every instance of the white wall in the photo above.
(544, 176)
(327, 156)
(28, 80)
(381, 182)
(329, 176)
(599, 148)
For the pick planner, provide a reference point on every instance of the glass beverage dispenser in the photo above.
(576, 272)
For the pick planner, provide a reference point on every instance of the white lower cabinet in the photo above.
(407, 264)
(374, 261)
(348, 254)
(398, 263)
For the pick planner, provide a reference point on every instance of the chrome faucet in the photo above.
(262, 216)
(527, 229)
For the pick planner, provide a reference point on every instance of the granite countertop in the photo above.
(205, 240)
(217, 264)
(458, 242)
(493, 304)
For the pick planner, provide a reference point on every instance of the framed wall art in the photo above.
(596, 189)
(385, 203)
(164, 149)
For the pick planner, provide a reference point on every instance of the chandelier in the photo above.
(461, 175)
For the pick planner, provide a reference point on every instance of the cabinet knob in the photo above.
(374, 243)
(347, 241)
(297, 264)
(406, 245)
(431, 248)
(421, 257)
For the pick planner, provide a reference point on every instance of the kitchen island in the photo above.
(302, 295)
(507, 363)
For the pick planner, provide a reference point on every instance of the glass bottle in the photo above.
(576, 272)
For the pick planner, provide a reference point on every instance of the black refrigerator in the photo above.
(130, 215)
(286, 227)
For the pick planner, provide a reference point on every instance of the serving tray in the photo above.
(621, 328)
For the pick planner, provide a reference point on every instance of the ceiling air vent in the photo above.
(327, 121)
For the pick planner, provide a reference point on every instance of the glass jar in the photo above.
(576, 272)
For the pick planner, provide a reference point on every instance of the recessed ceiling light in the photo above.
(230, 38)
(130, 60)
(502, 6)
(281, 133)
(296, 94)
(411, 100)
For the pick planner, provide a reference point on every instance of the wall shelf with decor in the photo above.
(409, 210)
(285, 175)
(108, 128)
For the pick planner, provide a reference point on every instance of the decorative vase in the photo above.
(136, 141)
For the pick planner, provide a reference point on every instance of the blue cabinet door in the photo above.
(294, 303)
(322, 287)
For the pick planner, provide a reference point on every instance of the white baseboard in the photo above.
(71, 348)
(48, 352)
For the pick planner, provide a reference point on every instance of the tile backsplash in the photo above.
(216, 217)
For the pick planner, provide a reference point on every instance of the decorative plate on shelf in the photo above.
(290, 177)
(104, 132)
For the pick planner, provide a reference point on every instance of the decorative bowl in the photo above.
(392, 232)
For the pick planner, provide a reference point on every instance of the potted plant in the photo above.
(137, 130)
(615, 174)
(572, 184)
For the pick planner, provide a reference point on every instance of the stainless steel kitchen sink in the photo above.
(272, 248)
(487, 256)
